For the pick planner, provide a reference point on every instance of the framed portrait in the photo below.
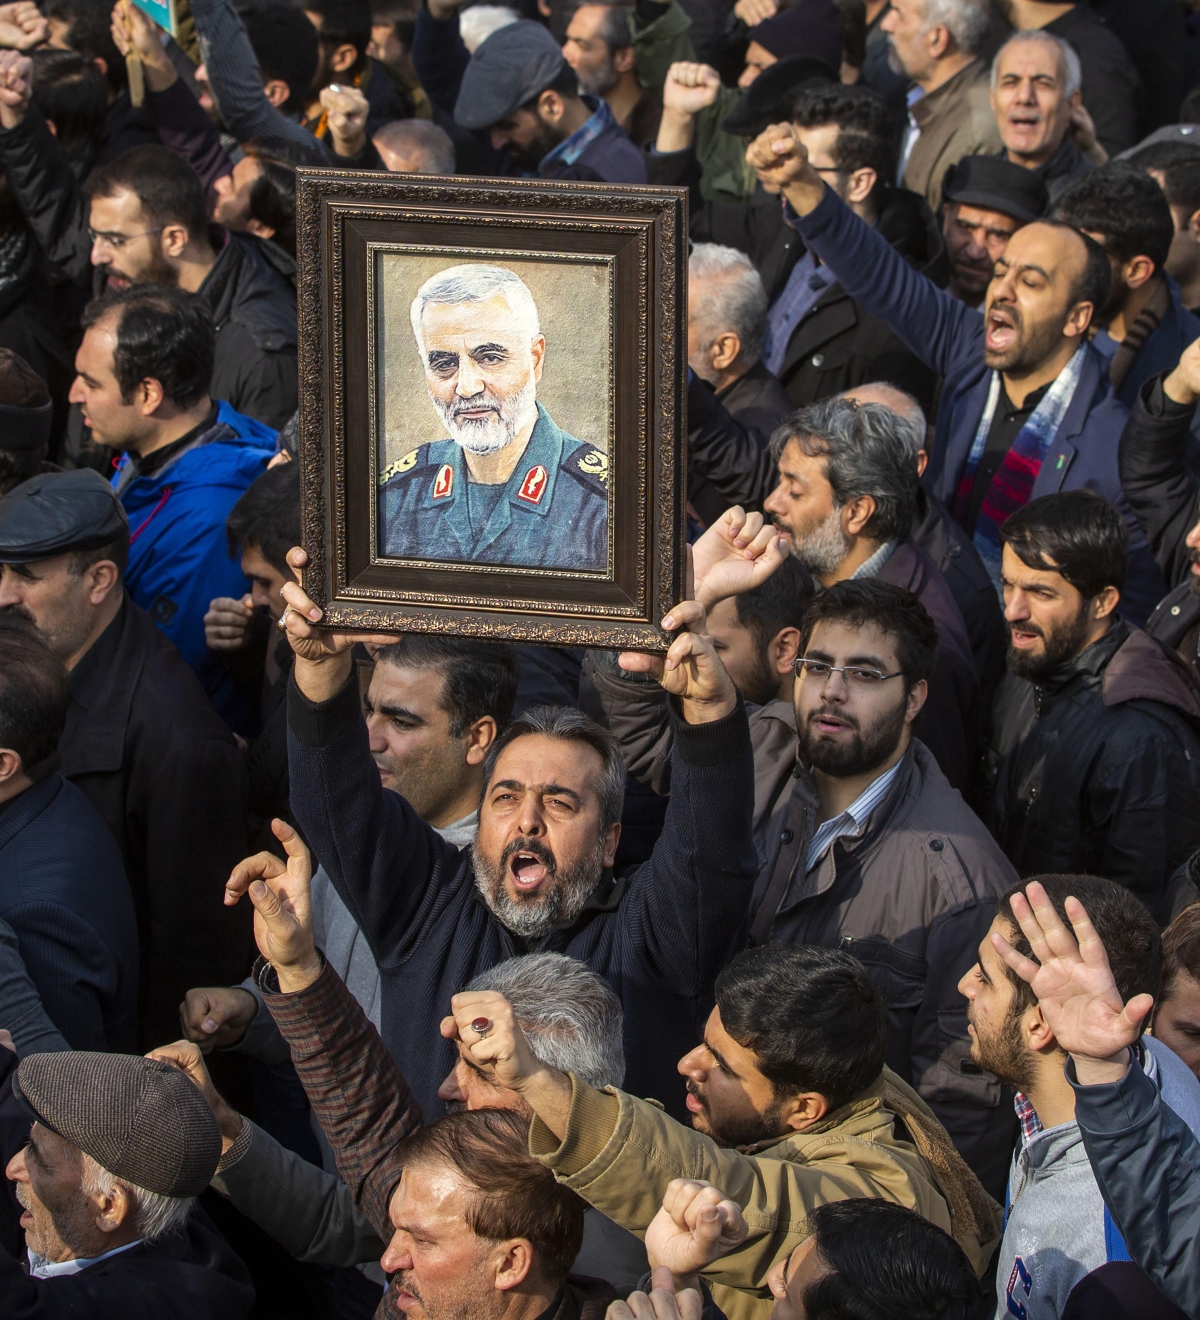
(492, 433)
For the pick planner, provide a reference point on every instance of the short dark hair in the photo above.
(566, 724)
(518, 1197)
(866, 137)
(480, 677)
(89, 31)
(272, 196)
(343, 22)
(71, 94)
(896, 612)
(1075, 533)
(267, 516)
(1181, 949)
(163, 334)
(1179, 165)
(779, 602)
(1128, 932)
(166, 185)
(34, 695)
(864, 455)
(886, 1263)
(116, 550)
(812, 1017)
(564, 82)
(1125, 205)
(286, 46)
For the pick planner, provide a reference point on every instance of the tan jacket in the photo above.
(955, 121)
(619, 1153)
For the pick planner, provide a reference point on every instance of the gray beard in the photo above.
(534, 918)
(824, 548)
(497, 431)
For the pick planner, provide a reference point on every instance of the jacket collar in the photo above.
(1090, 663)
(934, 102)
(26, 807)
(102, 690)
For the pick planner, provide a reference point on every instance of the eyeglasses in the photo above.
(118, 241)
(855, 674)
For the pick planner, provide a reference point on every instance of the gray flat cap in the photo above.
(511, 67)
(138, 1118)
(60, 511)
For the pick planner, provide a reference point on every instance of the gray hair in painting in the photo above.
(475, 282)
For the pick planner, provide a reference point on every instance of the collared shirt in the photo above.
(807, 282)
(912, 131)
(871, 567)
(41, 1268)
(159, 458)
(571, 148)
(1031, 1125)
(853, 820)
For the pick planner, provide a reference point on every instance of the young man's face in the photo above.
(1177, 1019)
(727, 1095)
(788, 1278)
(742, 653)
(115, 422)
(1047, 617)
(525, 136)
(126, 244)
(266, 581)
(997, 1040)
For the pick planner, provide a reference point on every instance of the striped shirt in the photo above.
(853, 820)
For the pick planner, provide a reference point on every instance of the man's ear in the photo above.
(277, 92)
(1079, 318)
(10, 765)
(857, 515)
(1107, 601)
(612, 837)
(1033, 1025)
(804, 1111)
(1137, 271)
(174, 240)
(623, 59)
(104, 578)
(149, 395)
(479, 738)
(725, 350)
(916, 699)
(344, 57)
(860, 184)
(1193, 226)
(114, 1209)
(258, 229)
(513, 1263)
(785, 647)
(550, 108)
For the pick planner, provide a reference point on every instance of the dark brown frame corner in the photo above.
(340, 218)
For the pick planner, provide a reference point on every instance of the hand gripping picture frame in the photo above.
(492, 432)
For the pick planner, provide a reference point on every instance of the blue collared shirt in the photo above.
(571, 148)
(807, 282)
(853, 820)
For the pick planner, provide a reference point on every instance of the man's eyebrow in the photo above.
(489, 348)
(398, 713)
(441, 354)
(719, 1058)
(1029, 265)
(873, 660)
(543, 790)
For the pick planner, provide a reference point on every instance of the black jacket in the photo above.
(659, 934)
(249, 289)
(1112, 89)
(191, 1275)
(1163, 494)
(159, 765)
(729, 433)
(64, 893)
(1096, 770)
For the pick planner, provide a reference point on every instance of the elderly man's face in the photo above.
(59, 602)
(541, 848)
(58, 1218)
(1029, 100)
(586, 51)
(444, 1271)
(481, 370)
(975, 241)
(803, 508)
(908, 38)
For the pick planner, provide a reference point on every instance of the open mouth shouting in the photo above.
(1024, 635)
(528, 865)
(1002, 327)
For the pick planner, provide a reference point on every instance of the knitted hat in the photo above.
(810, 27)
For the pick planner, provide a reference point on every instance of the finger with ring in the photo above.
(481, 1026)
(281, 622)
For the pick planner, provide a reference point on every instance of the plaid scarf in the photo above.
(1013, 483)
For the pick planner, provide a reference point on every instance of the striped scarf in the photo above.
(1013, 483)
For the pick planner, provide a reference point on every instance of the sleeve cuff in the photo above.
(241, 1144)
(590, 1126)
(320, 723)
(1157, 404)
(1113, 1106)
(719, 742)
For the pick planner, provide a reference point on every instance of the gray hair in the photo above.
(615, 31)
(734, 298)
(419, 138)
(478, 23)
(570, 1014)
(965, 20)
(1072, 69)
(566, 724)
(867, 450)
(910, 416)
(155, 1216)
(475, 282)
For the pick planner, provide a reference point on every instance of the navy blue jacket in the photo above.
(63, 891)
(948, 336)
(659, 935)
(1161, 351)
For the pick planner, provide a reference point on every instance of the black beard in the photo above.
(530, 157)
(565, 894)
(863, 753)
(749, 1131)
(1006, 1057)
(1061, 644)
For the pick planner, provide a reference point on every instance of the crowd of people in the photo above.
(841, 962)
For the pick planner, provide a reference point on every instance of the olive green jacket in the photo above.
(722, 157)
(619, 1153)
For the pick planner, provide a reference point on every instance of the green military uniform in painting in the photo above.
(551, 513)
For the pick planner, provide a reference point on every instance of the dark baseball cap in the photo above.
(56, 512)
(997, 184)
(768, 99)
(140, 1119)
(511, 67)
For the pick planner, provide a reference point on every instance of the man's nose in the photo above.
(500, 139)
(692, 1064)
(966, 987)
(101, 256)
(530, 821)
(834, 688)
(470, 378)
(1016, 606)
(1025, 92)
(375, 739)
(76, 394)
(774, 503)
(397, 1257)
(450, 1092)
(1192, 540)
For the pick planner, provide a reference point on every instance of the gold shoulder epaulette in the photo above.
(595, 464)
(404, 464)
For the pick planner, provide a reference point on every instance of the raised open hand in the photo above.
(1072, 980)
(737, 553)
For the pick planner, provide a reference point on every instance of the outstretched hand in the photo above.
(282, 897)
(696, 1224)
(737, 553)
(1074, 985)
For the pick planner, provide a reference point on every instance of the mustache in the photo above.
(535, 849)
(1194, 556)
(18, 611)
(1028, 626)
(693, 1090)
(833, 712)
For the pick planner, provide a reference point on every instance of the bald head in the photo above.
(415, 146)
(878, 391)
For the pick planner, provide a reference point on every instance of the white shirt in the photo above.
(41, 1268)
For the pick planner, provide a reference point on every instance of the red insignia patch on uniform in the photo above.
(443, 483)
(534, 485)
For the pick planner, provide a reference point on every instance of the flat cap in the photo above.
(512, 66)
(810, 27)
(140, 1119)
(769, 98)
(997, 184)
(59, 511)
